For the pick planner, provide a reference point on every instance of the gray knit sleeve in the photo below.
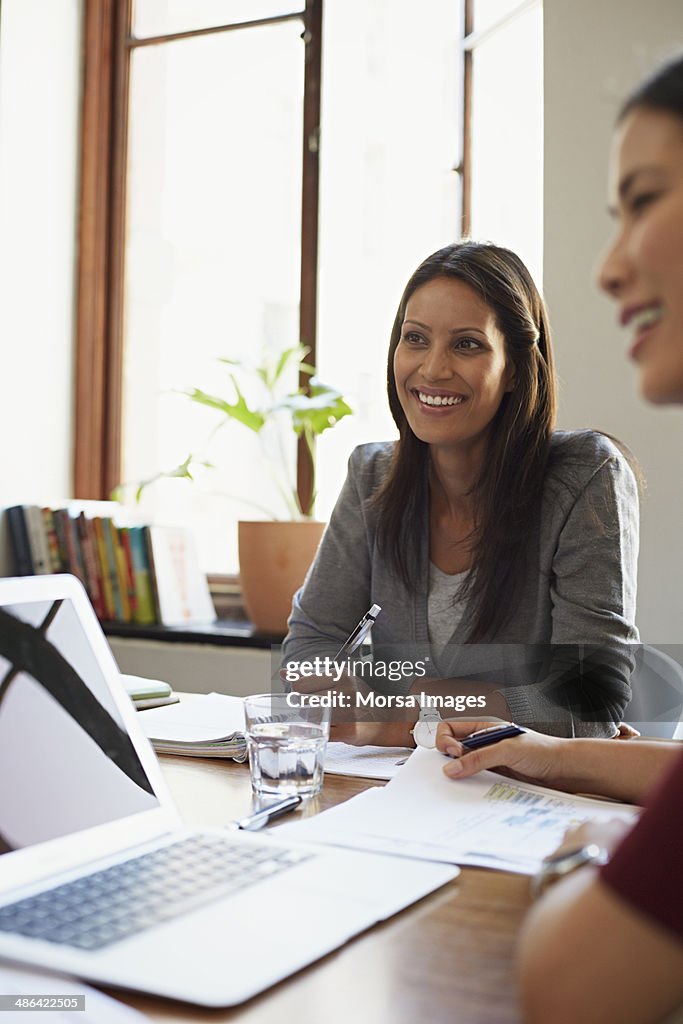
(337, 589)
(585, 686)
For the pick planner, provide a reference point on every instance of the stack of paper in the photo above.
(488, 821)
(210, 726)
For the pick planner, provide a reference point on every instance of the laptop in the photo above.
(100, 880)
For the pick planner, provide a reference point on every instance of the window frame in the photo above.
(108, 42)
(107, 48)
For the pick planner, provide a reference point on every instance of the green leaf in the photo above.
(238, 410)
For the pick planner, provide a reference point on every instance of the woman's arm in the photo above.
(622, 770)
(608, 945)
(585, 955)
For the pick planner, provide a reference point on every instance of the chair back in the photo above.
(656, 707)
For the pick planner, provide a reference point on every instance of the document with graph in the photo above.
(488, 821)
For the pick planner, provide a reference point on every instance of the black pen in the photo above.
(260, 818)
(492, 734)
(359, 633)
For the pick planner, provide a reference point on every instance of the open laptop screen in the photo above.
(66, 760)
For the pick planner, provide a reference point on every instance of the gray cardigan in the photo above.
(563, 658)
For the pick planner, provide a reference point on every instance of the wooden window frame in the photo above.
(107, 46)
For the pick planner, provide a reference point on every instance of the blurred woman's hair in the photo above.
(663, 90)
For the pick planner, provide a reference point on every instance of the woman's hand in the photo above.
(531, 757)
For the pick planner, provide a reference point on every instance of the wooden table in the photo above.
(447, 958)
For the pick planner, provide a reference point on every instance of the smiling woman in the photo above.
(644, 267)
(502, 553)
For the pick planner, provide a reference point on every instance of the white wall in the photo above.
(39, 115)
(595, 51)
(198, 668)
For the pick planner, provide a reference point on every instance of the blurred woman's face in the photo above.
(643, 269)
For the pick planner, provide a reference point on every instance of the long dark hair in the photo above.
(663, 90)
(507, 495)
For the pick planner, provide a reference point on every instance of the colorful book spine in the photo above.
(147, 533)
(55, 560)
(59, 517)
(37, 538)
(88, 545)
(121, 573)
(18, 535)
(124, 541)
(110, 546)
(107, 590)
(144, 612)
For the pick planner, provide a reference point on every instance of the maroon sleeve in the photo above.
(647, 868)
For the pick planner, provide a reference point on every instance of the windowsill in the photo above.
(223, 632)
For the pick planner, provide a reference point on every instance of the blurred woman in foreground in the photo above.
(607, 944)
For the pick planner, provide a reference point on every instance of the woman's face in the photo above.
(643, 269)
(450, 364)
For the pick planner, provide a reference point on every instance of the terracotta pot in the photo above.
(274, 558)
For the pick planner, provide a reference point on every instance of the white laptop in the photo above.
(98, 877)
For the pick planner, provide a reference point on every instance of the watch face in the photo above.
(424, 733)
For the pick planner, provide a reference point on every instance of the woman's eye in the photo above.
(641, 200)
(411, 338)
(469, 344)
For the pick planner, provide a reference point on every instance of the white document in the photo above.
(207, 719)
(488, 821)
(99, 1008)
(365, 762)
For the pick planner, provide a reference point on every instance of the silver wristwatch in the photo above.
(559, 865)
(424, 730)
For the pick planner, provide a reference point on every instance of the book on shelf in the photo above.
(133, 573)
(144, 610)
(181, 587)
(18, 536)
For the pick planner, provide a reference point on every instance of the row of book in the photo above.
(115, 563)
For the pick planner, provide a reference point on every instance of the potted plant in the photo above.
(275, 553)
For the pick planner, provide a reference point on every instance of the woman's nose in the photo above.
(613, 270)
(436, 365)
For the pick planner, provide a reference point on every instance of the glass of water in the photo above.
(286, 740)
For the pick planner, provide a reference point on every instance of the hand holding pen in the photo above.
(521, 753)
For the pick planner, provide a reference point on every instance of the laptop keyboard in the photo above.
(122, 900)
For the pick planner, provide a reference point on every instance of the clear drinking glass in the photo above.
(286, 739)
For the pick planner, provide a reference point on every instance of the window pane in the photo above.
(507, 138)
(161, 17)
(488, 12)
(212, 260)
(391, 113)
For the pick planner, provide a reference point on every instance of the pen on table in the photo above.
(359, 633)
(258, 819)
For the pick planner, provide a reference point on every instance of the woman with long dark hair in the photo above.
(503, 553)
